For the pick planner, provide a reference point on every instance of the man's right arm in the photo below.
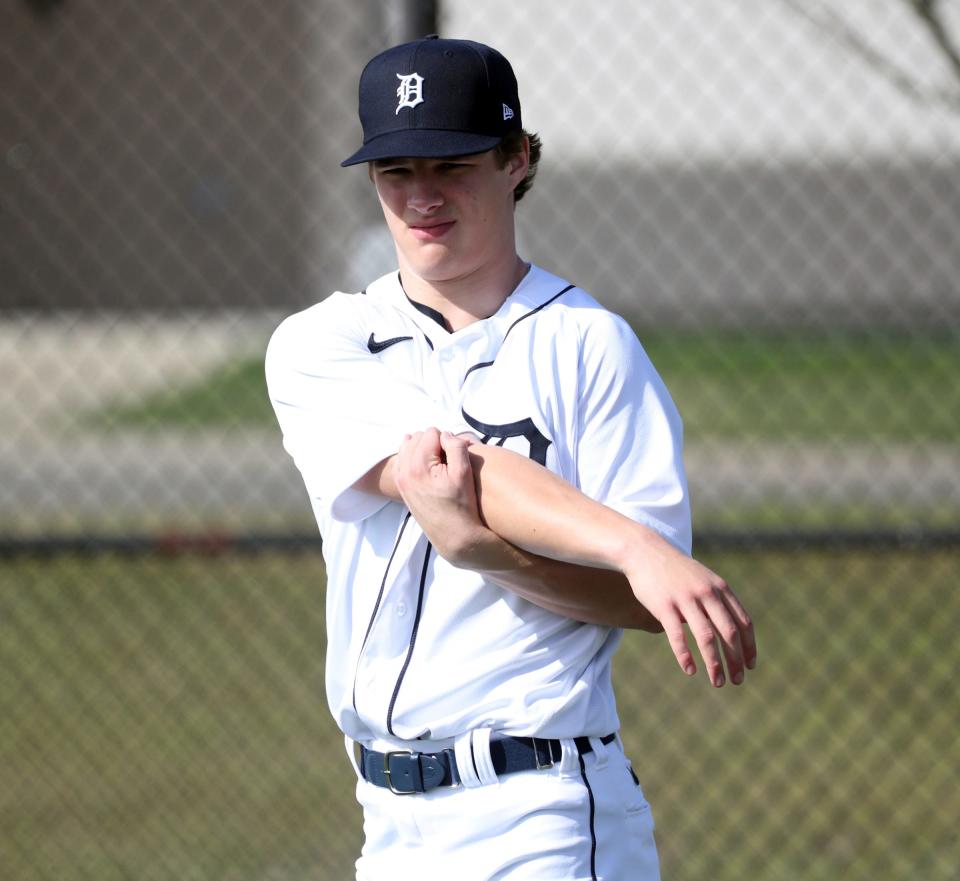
(340, 407)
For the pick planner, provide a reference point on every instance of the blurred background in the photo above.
(769, 190)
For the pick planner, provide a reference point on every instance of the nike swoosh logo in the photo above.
(379, 345)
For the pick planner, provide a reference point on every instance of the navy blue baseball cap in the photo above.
(435, 97)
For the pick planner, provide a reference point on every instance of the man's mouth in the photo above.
(432, 230)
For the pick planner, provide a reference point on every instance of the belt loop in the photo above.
(600, 750)
(351, 747)
(464, 755)
(569, 758)
(482, 760)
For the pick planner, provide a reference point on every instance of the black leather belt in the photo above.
(407, 773)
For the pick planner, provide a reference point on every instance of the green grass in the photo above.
(165, 719)
(728, 385)
(806, 387)
(234, 394)
(836, 760)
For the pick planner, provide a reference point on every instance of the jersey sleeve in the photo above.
(341, 410)
(630, 436)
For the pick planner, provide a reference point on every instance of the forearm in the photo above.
(381, 480)
(535, 510)
(546, 541)
(594, 596)
(541, 513)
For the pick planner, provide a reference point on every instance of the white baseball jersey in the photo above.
(416, 647)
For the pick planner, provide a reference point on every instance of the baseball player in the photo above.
(495, 467)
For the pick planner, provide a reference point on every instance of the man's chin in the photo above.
(438, 270)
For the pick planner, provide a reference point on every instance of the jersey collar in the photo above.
(534, 289)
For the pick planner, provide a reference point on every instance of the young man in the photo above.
(496, 470)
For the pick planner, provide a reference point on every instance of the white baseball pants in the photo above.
(584, 819)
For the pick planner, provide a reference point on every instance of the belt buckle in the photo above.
(536, 756)
(386, 771)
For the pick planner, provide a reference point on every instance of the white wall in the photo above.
(716, 78)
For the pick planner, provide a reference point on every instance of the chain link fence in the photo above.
(769, 190)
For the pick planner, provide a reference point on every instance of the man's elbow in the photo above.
(641, 619)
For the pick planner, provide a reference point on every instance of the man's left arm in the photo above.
(542, 514)
(440, 489)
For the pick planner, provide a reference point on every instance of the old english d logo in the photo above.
(410, 91)
(525, 428)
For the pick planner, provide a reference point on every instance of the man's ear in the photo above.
(519, 163)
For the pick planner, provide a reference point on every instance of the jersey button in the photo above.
(401, 609)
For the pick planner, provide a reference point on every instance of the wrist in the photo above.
(476, 548)
(639, 550)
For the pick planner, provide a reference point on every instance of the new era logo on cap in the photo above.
(434, 98)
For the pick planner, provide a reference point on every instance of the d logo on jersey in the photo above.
(524, 428)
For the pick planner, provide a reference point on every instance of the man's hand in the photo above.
(435, 479)
(678, 590)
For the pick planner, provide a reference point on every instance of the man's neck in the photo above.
(464, 300)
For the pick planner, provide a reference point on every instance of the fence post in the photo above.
(411, 19)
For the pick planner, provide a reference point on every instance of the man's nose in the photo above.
(424, 195)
